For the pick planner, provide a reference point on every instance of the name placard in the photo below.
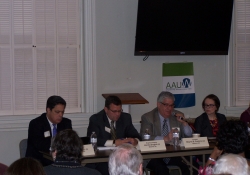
(88, 150)
(195, 142)
(152, 146)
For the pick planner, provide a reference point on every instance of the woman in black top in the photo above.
(208, 123)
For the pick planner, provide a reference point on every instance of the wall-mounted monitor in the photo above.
(183, 27)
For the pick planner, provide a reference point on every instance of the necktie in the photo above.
(165, 128)
(54, 130)
(164, 133)
(112, 132)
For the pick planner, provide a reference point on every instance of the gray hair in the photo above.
(233, 164)
(125, 160)
(165, 94)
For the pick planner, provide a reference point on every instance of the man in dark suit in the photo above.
(44, 127)
(113, 128)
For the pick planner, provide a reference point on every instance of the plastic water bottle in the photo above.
(146, 135)
(176, 137)
(93, 140)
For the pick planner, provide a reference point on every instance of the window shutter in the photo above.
(23, 83)
(242, 12)
(68, 53)
(39, 55)
(5, 58)
(45, 29)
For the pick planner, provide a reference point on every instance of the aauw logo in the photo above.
(186, 83)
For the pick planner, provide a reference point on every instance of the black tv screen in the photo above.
(183, 27)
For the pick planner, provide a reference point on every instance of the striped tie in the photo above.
(164, 133)
(165, 128)
(112, 132)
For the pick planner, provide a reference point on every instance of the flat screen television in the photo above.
(183, 27)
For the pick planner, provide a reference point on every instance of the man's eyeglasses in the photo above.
(167, 105)
(116, 111)
(209, 106)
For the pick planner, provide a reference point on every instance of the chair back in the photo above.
(85, 140)
(3, 168)
(23, 147)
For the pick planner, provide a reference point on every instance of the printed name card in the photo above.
(151, 146)
(195, 142)
(88, 150)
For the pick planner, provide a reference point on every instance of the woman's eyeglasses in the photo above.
(209, 106)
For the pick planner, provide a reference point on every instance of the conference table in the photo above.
(102, 155)
(171, 151)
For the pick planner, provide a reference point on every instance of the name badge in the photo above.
(107, 129)
(46, 134)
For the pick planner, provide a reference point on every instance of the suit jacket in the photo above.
(36, 139)
(151, 121)
(203, 126)
(124, 127)
(245, 116)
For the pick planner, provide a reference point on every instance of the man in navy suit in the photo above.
(44, 127)
(101, 124)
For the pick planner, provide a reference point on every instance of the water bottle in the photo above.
(176, 137)
(93, 140)
(146, 135)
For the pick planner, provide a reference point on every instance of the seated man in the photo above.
(159, 123)
(126, 159)
(43, 128)
(113, 128)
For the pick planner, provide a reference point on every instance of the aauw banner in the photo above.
(178, 78)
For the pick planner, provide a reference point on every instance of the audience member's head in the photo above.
(67, 146)
(232, 164)
(232, 137)
(25, 166)
(125, 160)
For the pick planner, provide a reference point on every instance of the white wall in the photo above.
(119, 71)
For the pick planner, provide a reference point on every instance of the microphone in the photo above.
(174, 114)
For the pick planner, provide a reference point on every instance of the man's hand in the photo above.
(132, 141)
(127, 140)
(168, 137)
(179, 116)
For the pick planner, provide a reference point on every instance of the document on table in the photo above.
(106, 148)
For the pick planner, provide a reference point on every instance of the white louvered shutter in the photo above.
(242, 25)
(23, 57)
(5, 58)
(39, 55)
(68, 53)
(45, 29)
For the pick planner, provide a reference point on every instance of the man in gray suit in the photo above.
(159, 123)
(113, 128)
